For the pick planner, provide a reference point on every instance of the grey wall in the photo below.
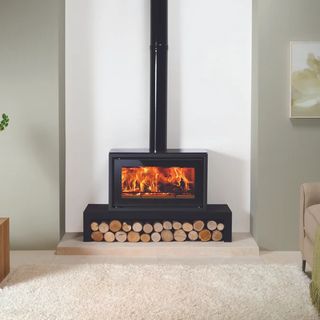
(31, 64)
(285, 152)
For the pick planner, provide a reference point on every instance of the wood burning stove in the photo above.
(162, 180)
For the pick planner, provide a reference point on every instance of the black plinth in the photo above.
(220, 213)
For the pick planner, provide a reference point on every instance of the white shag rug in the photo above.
(107, 291)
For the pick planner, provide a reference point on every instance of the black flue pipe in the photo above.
(158, 75)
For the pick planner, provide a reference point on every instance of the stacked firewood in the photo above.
(159, 231)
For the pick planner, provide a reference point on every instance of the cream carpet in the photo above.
(107, 291)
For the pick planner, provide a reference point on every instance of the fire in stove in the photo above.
(158, 182)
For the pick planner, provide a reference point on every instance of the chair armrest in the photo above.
(309, 195)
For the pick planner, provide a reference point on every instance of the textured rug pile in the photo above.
(107, 291)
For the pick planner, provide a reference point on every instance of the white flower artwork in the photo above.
(305, 79)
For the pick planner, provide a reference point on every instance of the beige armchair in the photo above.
(309, 220)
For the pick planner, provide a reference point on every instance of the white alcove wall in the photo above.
(107, 94)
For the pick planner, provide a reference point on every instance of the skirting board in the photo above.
(242, 245)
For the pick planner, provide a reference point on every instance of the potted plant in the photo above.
(4, 122)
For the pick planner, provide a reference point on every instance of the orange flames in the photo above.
(155, 182)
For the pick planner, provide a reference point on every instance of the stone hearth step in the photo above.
(242, 245)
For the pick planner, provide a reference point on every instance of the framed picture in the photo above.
(305, 79)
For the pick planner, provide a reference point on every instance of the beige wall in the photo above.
(285, 152)
(31, 63)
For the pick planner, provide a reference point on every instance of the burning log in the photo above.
(97, 236)
(176, 225)
(167, 225)
(198, 225)
(94, 226)
(126, 227)
(147, 228)
(187, 227)
(180, 235)
(212, 225)
(155, 237)
(205, 235)
(193, 235)
(115, 226)
(166, 235)
(216, 235)
(103, 227)
(133, 236)
(137, 227)
(109, 236)
(158, 227)
(121, 236)
(145, 237)
(157, 181)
